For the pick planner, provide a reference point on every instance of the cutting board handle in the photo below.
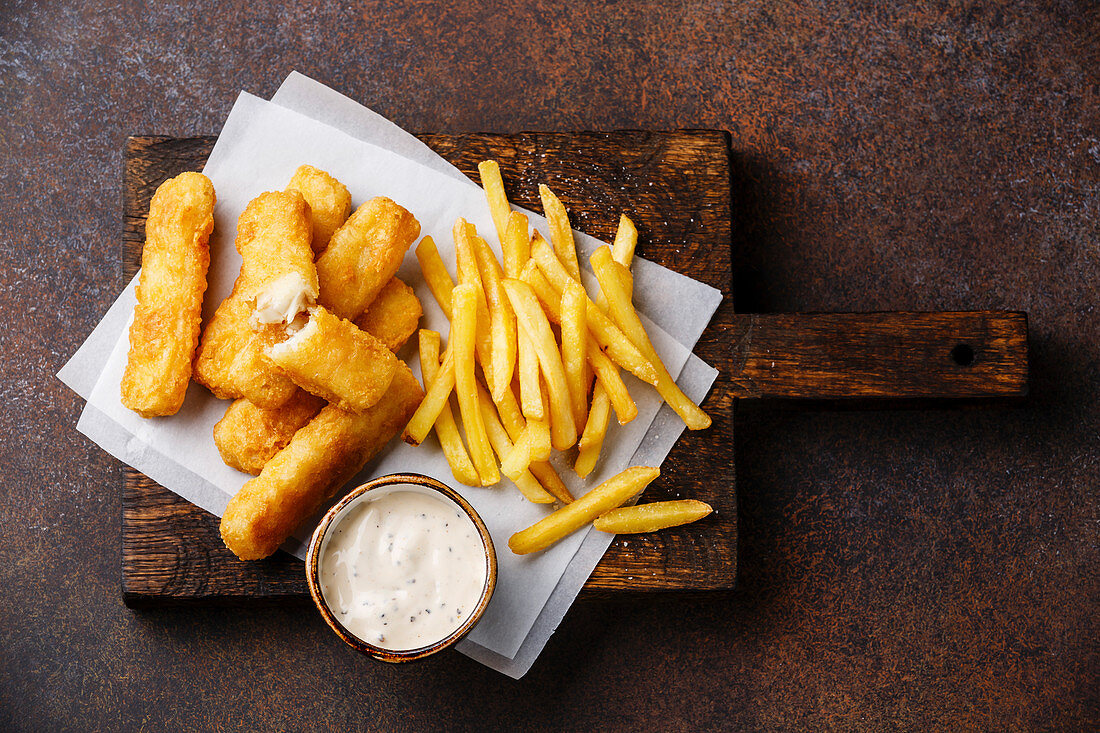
(976, 354)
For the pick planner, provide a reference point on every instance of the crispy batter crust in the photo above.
(393, 316)
(321, 457)
(328, 199)
(250, 436)
(332, 358)
(174, 261)
(364, 254)
(273, 237)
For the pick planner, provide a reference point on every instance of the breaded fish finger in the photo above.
(249, 436)
(328, 199)
(321, 458)
(332, 358)
(364, 254)
(174, 261)
(393, 316)
(273, 236)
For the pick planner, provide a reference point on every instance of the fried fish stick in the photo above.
(250, 436)
(321, 458)
(332, 358)
(364, 254)
(329, 202)
(273, 236)
(393, 316)
(174, 261)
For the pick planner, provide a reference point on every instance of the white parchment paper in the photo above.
(259, 148)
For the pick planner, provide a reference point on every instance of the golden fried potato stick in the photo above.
(651, 517)
(563, 430)
(574, 348)
(595, 430)
(329, 202)
(591, 442)
(502, 320)
(561, 232)
(321, 458)
(607, 334)
(469, 273)
(498, 436)
(250, 436)
(516, 244)
(393, 316)
(364, 254)
(462, 345)
(445, 428)
(613, 281)
(494, 192)
(332, 358)
(435, 399)
(530, 390)
(165, 330)
(516, 461)
(435, 274)
(273, 238)
(604, 369)
(538, 438)
(513, 421)
(612, 493)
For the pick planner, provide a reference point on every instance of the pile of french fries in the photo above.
(532, 328)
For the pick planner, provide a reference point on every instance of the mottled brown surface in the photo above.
(673, 184)
(899, 569)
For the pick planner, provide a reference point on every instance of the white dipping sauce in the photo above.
(402, 567)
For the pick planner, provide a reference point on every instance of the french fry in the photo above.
(435, 274)
(445, 428)
(607, 334)
(435, 399)
(561, 233)
(604, 369)
(591, 442)
(468, 273)
(651, 517)
(574, 347)
(530, 391)
(612, 493)
(516, 244)
(516, 461)
(612, 278)
(502, 321)
(512, 418)
(461, 344)
(538, 432)
(498, 436)
(626, 239)
(494, 191)
(563, 429)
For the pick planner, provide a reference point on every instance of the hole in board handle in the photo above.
(963, 354)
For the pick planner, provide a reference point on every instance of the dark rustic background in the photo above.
(899, 569)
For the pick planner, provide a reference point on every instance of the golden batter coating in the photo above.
(273, 236)
(364, 254)
(250, 436)
(332, 358)
(166, 322)
(321, 458)
(328, 199)
(393, 316)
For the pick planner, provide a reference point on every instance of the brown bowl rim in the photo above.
(313, 561)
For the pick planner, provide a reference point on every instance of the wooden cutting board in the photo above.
(676, 188)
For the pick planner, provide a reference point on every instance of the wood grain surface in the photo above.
(674, 185)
